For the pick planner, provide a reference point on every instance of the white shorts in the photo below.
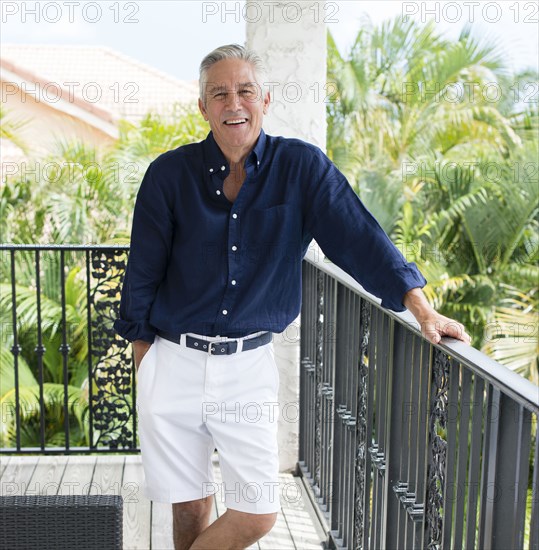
(190, 403)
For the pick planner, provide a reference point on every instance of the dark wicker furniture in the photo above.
(82, 522)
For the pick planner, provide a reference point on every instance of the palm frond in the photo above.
(511, 338)
(30, 409)
(25, 377)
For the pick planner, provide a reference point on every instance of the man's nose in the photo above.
(233, 101)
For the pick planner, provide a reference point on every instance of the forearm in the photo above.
(416, 302)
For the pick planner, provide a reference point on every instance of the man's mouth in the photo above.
(235, 121)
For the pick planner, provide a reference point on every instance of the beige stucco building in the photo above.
(64, 92)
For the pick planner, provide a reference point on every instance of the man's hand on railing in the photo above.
(433, 325)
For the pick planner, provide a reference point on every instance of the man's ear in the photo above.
(202, 109)
(266, 102)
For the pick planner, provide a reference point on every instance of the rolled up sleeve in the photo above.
(151, 238)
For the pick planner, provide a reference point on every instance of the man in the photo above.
(219, 231)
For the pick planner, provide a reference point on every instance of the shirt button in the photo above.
(234, 248)
(225, 312)
(234, 216)
(211, 170)
(223, 168)
(218, 192)
(258, 163)
(233, 282)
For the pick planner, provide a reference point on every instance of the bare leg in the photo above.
(234, 530)
(189, 519)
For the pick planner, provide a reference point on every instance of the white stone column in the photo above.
(291, 39)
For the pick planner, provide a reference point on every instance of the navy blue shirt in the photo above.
(200, 263)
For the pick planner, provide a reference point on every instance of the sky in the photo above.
(174, 35)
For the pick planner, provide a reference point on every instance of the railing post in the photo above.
(394, 485)
(340, 404)
(489, 468)
(363, 433)
(381, 353)
(16, 351)
(40, 351)
(503, 497)
(437, 449)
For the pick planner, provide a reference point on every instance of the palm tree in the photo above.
(419, 138)
(392, 103)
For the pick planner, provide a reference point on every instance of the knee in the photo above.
(258, 525)
(193, 511)
(267, 521)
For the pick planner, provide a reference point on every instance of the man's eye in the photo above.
(220, 95)
(246, 92)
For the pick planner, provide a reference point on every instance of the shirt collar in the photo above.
(215, 162)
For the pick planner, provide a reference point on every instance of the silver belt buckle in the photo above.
(210, 344)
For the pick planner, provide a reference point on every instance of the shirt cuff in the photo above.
(403, 280)
(135, 330)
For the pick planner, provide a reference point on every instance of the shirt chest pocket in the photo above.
(270, 233)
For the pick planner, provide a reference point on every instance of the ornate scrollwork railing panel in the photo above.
(112, 376)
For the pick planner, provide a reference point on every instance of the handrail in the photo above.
(499, 375)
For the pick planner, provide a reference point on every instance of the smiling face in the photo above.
(234, 106)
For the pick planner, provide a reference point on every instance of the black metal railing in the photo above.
(67, 382)
(407, 444)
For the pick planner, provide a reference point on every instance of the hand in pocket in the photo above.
(140, 349)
